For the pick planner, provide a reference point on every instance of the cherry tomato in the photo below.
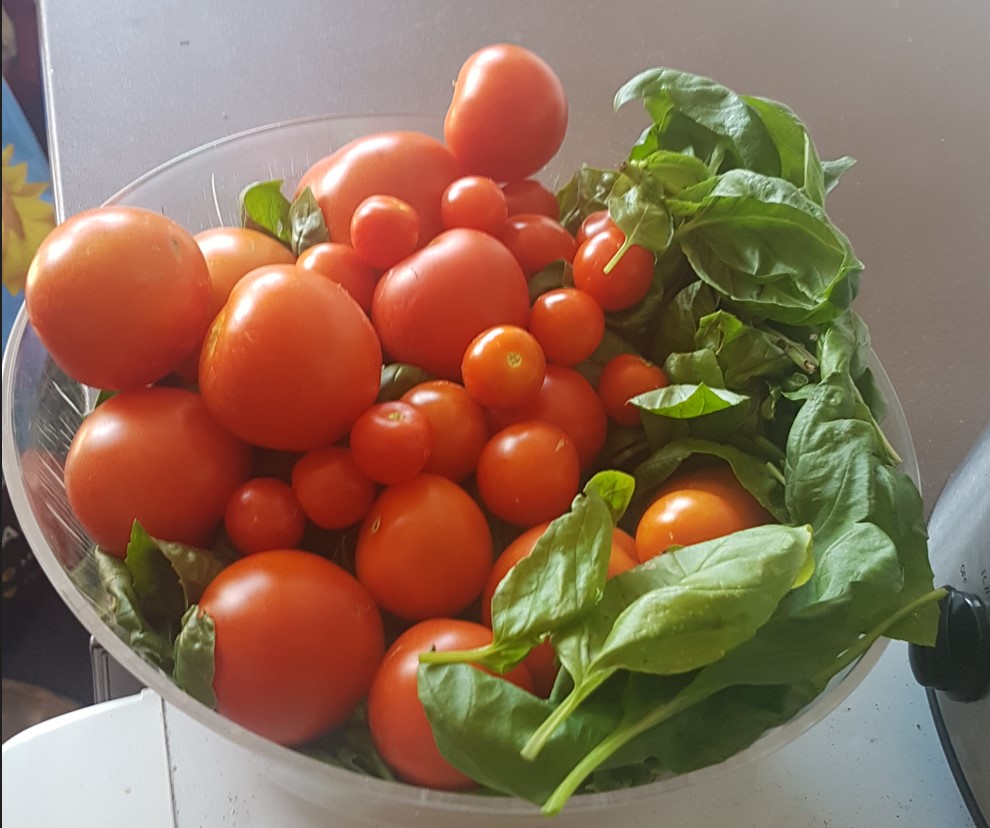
(396, 718)
(536, 241)
(459, 421)
(529, 196)
(593, 224)
(503, 367)
(391, 442)
(718, 478)
(384, 230)
(340, 264)
(508, 115)
(626, 376)
(331, 489)
(119, 296)
(529, 473)
(300, 667)
(429, 307)
(155, 455)
(474, 201)
(408, 165)
(270, 370)
(568, 324)
(623, 286)
(424, 549)
(264, 514)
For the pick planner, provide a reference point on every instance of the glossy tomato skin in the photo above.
(299, 667)
(155, 455)
(396, 718)
(271, 371)
(593, 224)
(332, 491)
(530, 196)
(508, 115)
(474, 201)
(340, 264)
(537, 241)
(718, 478)
(264, 513)
(626, 283)
(119, 296)
(429, 307)
(503, 367)
(391, 441)
(626, 376)
(409, 165)
(384, 230)
(424, 549)
(568, 323)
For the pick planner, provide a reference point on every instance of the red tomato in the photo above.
(529, 473)
(568, 324)
(384, 230)
(391, 442)
(568, 400)
(264, 514)
(503, 367)
(300, 667)
(270, 370)
(119, 296)
(593, 224)
(623, 286)
(340, 264)
(333, 492)
(529, 196)
(424, 549)
(719, 479)
(157, 456)
(396, 718)
(459, 420)
(476, 202)
(508, 115)
(408, 165)
(626, 376)
(536, 241)
(429, 307)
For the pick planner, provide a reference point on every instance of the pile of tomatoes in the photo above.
(247, 406)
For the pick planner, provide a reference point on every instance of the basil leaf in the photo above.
(306, 223)
(833, 170)
(398, 378)
(350, 746)
(694, 367)
(674, 171)
(679, 322)
(193, 654)
(615, 489)
(155, 582)
(264, 208)
(586, 192)
(644, 221)
(684, 402)
(194, 567)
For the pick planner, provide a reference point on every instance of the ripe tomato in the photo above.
(408, 165)
(340, 264)
(271, 369)
(119, 296)
(529, 473)
(264, 514)
(568, 324)
(429, 307)
(623, 286)
(460, 422)
(474, 201)
(396, 718)
(529, 196)
(536, 241)
(508, 115)
(157, 456)
(301, 666)
(503, 367)
(331, 489)
(719, 479)
(384, 230)
(391, 442)
(626, 376)
(593, 224)
(424, 549)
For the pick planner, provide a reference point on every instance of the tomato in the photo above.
(424, 549)
(536, 241)
(625, 554)
(300, 667)
(119, 296)
(459, 421)
(331, 489)
(399, 727)
(568, 324)
(503, 367)
(593, 224)
(568, 400)
(474, 201)
(408, 165)
(626, 376)
(529, 196)
(391, 441)
(384, 230)
(508, 115)
(429, 307)
(628, 281)
(529, 473)
(719, 479)
(264, 514)
(340, 264)
(155, 455)
(271, 369)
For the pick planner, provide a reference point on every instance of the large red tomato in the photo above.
(291, 360)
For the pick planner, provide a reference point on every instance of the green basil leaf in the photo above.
(687, 401)
(193, 655)
(155, 582)
(306, 223)
(694, 367)
(833, 171)
(194, 567)
(398, 378)
(679, 322)
(643, 219)
(264, 208)
(350, 746)
(586, 192)
(615, 489)
(674, 171)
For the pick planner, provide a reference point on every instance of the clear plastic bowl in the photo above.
(42, 409)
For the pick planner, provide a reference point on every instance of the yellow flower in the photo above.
(26, 221)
